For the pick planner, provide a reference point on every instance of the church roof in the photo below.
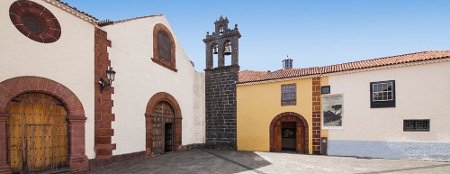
(136, 18)
(72, 10)
(248, 76)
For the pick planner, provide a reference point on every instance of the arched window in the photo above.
(221, 30)
(164, 47)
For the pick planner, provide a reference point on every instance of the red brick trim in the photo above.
(156, 58)
(103, 101)
(300, 122)
(24, 8)
(316, 112)
(162, 96)
(11, 88)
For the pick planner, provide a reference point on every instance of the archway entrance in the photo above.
(163, 127)
(163, 124)
(11, 88)
(37, 133)
(289, 131)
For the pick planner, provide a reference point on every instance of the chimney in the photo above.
(287, 63)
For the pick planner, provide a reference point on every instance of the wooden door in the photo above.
(37, 133)
(277, 137)
(300, 138)
(163, 113)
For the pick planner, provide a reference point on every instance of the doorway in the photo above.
(168, 137)
(289, 131)
(288, 135)
(163, 128)
(37, 133)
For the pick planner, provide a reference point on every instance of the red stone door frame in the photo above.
(159, 97)
(300, 123)
(9, 89)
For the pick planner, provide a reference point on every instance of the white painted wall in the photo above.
(422, 92)
(138, 78)
(69, 61)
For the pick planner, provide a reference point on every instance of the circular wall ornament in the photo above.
(35, 21)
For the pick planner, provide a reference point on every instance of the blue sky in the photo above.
(313, 33)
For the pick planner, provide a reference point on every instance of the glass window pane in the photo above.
(384, 86)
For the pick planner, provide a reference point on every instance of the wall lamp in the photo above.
(110, 74)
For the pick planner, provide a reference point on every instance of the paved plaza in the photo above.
(220, 161)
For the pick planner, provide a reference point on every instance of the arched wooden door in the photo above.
(301, 132)
(163, 136)
(37, 133)
(299, 135)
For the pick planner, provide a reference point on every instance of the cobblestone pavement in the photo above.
(219, 161)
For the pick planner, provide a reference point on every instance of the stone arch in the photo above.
(159, 97)
(301, 122)
(13, 87)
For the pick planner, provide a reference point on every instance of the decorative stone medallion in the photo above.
(35, 21)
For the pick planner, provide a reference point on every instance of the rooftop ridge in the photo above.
(72, 10)
(248, 76)
(136, 18)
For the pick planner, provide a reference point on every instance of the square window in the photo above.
(382, 94)
(416, 125)
(288, 94)
(325, 90)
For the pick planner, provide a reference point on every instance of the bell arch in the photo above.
(150, 118)
(302, 132)
(11, 88)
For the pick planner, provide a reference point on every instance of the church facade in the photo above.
(80, 94)
(77, 94)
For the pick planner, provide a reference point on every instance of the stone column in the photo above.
(77, 160)
(221, 57)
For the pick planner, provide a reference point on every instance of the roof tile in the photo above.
(253, 76)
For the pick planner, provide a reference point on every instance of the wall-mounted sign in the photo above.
(332, 111)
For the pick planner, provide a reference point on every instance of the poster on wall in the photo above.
(332, 107)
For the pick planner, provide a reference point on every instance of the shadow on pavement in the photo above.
(193, 161)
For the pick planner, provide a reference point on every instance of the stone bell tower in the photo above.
(220, 85)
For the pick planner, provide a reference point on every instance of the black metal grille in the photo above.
(416, 125)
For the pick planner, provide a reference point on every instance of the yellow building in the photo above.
(280, 110)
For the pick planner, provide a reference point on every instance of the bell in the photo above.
(215, 51)
(227, 50)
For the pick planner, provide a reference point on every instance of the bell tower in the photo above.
(220, 85)
(223, 42)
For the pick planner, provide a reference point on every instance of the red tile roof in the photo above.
(254, 76)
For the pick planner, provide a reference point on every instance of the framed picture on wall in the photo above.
(332, 111)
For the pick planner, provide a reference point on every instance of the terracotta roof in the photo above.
(254, 76)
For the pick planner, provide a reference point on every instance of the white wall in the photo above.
(138, 78)
(422, 92)
(69, 61)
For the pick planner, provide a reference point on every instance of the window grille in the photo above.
(416, 125)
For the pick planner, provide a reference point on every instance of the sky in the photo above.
(313, 33)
